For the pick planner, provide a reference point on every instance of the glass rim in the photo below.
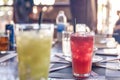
(84, 32)
(37, 27)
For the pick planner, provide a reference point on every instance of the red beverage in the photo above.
(82, 50)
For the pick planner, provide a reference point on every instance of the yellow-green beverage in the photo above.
(33, 49)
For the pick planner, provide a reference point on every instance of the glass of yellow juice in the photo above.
(34, 47)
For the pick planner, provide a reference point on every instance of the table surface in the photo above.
(98, 73)
(8, 69)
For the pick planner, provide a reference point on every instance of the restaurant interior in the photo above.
(99, 16)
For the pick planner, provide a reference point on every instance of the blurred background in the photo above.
(99, 15)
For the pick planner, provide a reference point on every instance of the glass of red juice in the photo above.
(82, 51)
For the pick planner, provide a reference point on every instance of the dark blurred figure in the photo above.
(22, 10)
(85, 12)
(116, 31)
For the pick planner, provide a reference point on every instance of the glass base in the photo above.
(81, 75)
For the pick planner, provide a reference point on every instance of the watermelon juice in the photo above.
(82, 51)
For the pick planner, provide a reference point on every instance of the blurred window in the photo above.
(6, 13)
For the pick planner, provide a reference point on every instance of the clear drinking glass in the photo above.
(33, 47)
(66, 43)
(82, 52)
